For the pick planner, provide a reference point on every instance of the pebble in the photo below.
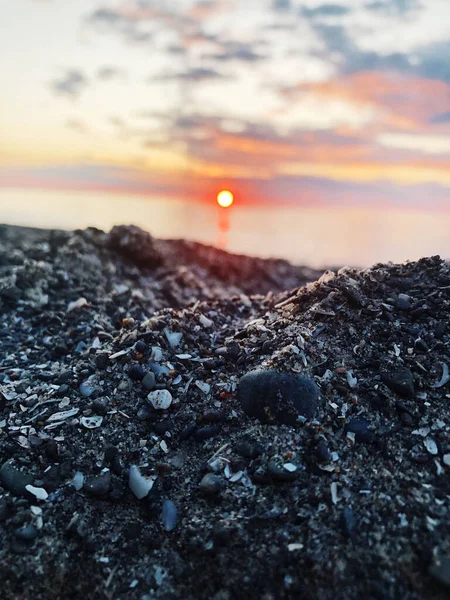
(248, 447)
(15, 480)
(163, 426)
(279, 473)
(401, 381)
(136, 372)
(37, 492)
(322, 453)
(431, 446)
(160, 399)
(403, 302)
(440, 569)
(273, 397)
(148, 381)
(211, 484)
(348, 522)
(4, 510)
(204, 433)
(98, 485)
(28, 533)
(140, 347)
(169, 515)
(100, 406)
(361, 429)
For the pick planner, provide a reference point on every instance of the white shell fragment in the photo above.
(334, 493)
(445, 377)
(202, 386)
(78, 480)
(160, 399)
(292, 547)
(205, 321)
(139, 485)
(351, 380)
(80, 303)
(91, 422)
(63, 415)
(39, 493)
(290, 467)
(446, 459)
(174, 338)
(431, 446)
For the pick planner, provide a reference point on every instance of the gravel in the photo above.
(204, 425)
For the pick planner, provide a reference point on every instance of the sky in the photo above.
(281, 101)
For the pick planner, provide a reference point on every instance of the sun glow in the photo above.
(225, 199)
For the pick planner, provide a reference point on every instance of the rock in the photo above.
(28, 533)
(322, 453)
(169, 515)
(136, 372)
(15, 480)
(401, 381)
(98, 485)
(204, 433)
(135, 244)
(211, 484)
(248, 447)
(273, 397)
(440, 569)
(100, 406)
(140, 347)
(163, 426)
(86, 390)
(403, 302)
(361, 428)
(279, 473)
(148, 381)
(101, 361)
(213, 416)
(160, 399)
(38, 492)
(348, 522)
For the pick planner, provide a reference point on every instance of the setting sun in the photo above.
(225, 199)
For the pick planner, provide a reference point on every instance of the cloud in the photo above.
(77, 125)
(71, 84)
(107, 73)
(434, 61)
(281, 5)
(120, 22)
(325, 10)
(236, 51)
(399, 6)
(195, 74)
(441, 118)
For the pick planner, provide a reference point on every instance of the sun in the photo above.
(225, 199)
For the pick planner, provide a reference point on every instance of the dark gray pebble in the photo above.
(205, 433)
(322, 453)
(213, 416)
(440, 569)
(148, 381)
(361, 428)
(4, 510)
(100, 406)
(279, 473)
(188, 431)
(144, 413)
(273, 397)
(169, 515)
(64, 377)
(98, 485)
(27, 533)
(136, 372)
(348, 522)
(15, 480)
(211, 484)
(248, 447)
(400, 380)
(163, 426)
(101, 361)
(140, 347)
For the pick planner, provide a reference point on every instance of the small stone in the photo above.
(28, 533)
(136, 372)
(403, 302)
(98, 485)
(431, 446)
(160, 399)
(101, 361)
(440, 569)
(14, 480)
(211, 484)
(169, 515)
(100, 406)
(163, 426)
(446, 459)
(213, 416)
(348, 522)
(273, 397)
(360, 428)
(78, 481)
(322, 453)
(140, 347)
(148, 381)
(204, 433)
(401, 381)
(86, 390)
(248, 447)
(279, 473)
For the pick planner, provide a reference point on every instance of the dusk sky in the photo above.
(278, 100)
